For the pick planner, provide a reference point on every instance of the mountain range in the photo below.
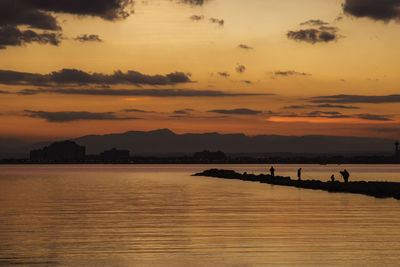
(165, 142)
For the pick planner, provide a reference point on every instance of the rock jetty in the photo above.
(375, 189)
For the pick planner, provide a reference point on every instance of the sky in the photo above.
(286, 67)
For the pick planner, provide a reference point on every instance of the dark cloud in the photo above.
(4, 92)
(137, 110)
(247, 81)
(224, 74)
(320, 106)
(18, 12)
(240, 68)
(326, 114)
(138, 92)
(12, 36)
(374, 117)
(336, 106)
(298, 107)
(106, 9)
(334, 115)
(239, 111)
(290, 73)
(88, 38)
(322, 35)
(68, 116)
(74, 76)
(220, 22)
(193, 2)
(356, 99)
(183, 111)
(246, 47)
(314, 22)
(39, 14)
(197, 17)
(384, 10)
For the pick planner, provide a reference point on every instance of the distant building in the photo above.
(115, 154)
(59, 151)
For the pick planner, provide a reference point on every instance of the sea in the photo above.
(160, 215)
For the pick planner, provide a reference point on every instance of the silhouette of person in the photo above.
(345, 175)
(299, 174)
(272, 170)
(332, 178)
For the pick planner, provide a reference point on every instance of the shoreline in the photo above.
(374, 189)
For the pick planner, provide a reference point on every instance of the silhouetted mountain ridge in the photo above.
(165, 142)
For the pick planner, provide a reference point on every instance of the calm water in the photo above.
(102, 215)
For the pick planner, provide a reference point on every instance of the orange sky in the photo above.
(284, 86)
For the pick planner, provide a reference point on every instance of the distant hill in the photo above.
(165, 142)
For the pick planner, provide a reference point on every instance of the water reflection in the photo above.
(160, 215)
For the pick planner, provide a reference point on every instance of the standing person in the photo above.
(347, 175)
(332, 178)
(272, 170)
(299, 174)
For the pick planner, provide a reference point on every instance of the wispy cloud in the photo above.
(69, 116)
(88, 38)
(239, 111)
(138, 92)
(356, 99)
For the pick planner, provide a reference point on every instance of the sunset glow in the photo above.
(171, 63)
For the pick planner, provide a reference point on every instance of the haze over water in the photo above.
(124, 215)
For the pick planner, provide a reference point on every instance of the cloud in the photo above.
(4, 92)
(384, 10)
(74, 76)
(12, 36)
(290, 73)
(334, 115)
(336, 106)
(183, 111)
(137, 110)
(245, 47)
(106, 9)
(356, 99)
(40, 14)
(197, 17)
(193, 2)
(374, 117)
(88, 38)
(240, 68)
(298, 107)
(247, 81)
(138, 92)
(320, 106)
(68, 116)
(325, 114)
(19, 12)
(313, 36)
(314, 22)
(220, 22)
(224, 74)
(239, 111)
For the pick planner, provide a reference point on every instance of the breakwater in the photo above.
(375, 189)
